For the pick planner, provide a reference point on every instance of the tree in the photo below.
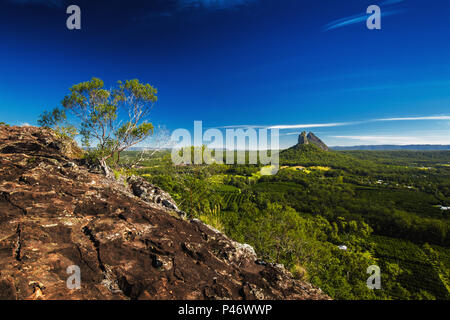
(154, 146)
(112, 119)
(57, 120)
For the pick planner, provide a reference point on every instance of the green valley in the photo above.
(384, 207)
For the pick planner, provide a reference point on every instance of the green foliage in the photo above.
(300, 217)
(51, 119)
(413, 271)
(4, 124)
(128, 133)
(281, 235)
(140, 92)
(99, 117)
(57, 120)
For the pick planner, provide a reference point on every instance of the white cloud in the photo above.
(358, 18)
(317, 125)
(397, 140)
(334, 124)
(242, 126)
(415, 118)
(212, 4)
(293, 126)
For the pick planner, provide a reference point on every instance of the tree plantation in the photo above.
(382, 206)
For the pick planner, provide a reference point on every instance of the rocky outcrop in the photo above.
(302, 138)
(153, 194)
(311, 138)
(128, 241)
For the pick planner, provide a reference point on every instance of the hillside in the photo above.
(128, 243)
(413, 147)
(310, 139)
(310, 150)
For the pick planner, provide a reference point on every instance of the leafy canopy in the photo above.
(109, 120)
(57, 120)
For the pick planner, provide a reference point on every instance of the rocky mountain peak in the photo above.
(311, 138)
(302, 138)
(129, 240)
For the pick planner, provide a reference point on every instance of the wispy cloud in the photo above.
(293, 126)
(335, 124)
(169, 5)
(213, 4)
(415, 118)
(315, 125)
(166, 8)
(356, 19)
(397, 140)
(362, 17)
(241, 126)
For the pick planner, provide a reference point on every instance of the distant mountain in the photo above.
(310, 150)
(310, 138)
(416, 147)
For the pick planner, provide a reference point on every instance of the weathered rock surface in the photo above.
(154, 194)
(54, 213)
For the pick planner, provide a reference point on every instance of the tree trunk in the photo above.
(106, 170)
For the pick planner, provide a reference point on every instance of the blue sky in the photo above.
(296, 65)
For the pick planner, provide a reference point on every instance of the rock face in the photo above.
(316, 141)
(311, 138)
(302, 138)
(55, 214)
(150, 193)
